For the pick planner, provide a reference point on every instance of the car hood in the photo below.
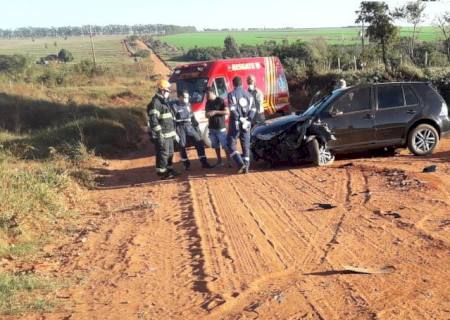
(278, 125)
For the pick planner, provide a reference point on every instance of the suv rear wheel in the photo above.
(423, 139)
(320, 155)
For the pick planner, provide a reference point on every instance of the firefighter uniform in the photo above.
(162, 133)
(242, 112)
(187, 126)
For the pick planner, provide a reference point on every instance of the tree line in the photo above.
(112, 29)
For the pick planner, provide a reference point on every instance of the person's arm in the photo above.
(253, 110)
(260, 98)
(194, 121)
(233, 107)
(222, 112)
(153, 119)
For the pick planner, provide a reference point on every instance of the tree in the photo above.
(231, 48)
(414, 13)
(443, 23)
(65, 56)
(380, 26)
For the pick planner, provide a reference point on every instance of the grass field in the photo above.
(332, 35)
(109, 49)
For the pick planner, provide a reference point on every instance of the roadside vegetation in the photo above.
(378, 50)
(59, 123)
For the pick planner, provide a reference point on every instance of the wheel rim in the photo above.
(325, 155)
(425, 140)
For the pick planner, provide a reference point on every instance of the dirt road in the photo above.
(221, 246)
(159, 66)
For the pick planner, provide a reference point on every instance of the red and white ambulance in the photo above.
(219, 74)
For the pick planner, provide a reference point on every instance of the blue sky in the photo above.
(200, 13)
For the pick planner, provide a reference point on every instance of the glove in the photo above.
(245, 123)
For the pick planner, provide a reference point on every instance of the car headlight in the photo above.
(444, 110)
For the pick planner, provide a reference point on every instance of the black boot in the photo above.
(166, 175)
(205, 164)
(173, 172)
(187, 165)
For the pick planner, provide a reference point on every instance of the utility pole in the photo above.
(92, 47)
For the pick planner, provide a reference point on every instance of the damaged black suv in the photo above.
(354, 119)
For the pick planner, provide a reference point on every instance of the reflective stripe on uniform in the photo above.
(169, 134)
(167, 115)
(154, 111)
(161, 170)
(223, 130)
(184, 160)
(247, 158)
(157, 128)
(234, 153)
(233, 108)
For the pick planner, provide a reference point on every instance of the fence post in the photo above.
(354, 61)
(426, 58)
(339, 63)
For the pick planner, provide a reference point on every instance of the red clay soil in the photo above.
(216, 245)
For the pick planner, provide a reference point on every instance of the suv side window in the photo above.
(221, 87)
(353, 101)
(390, 97)
(410, 96)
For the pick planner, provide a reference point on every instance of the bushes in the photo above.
(65, 56)
(13, 64)
(203, 54)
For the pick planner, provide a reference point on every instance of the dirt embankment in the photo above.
(271, 245)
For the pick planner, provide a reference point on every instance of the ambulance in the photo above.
(219, 74)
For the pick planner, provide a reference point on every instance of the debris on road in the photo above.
(322, 206)
(383, 270)
(398, 179)
(430, 169)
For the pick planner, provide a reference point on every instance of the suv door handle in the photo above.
(370, 116)
(411, 111)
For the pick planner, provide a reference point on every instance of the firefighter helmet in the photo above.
(164, 85)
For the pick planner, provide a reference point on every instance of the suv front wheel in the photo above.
(320, 155)
(422, 140)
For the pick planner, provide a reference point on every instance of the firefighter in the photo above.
(242, 112)
(187, 126)
(162, 130)
(258, 97)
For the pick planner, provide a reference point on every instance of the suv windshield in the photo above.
(321, 104)
(196, 88)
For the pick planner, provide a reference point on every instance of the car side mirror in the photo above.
(335, 113)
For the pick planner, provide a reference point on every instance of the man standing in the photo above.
(187, 126)
(216, 111)
(242, 112)
(162, 130)
(258, 97)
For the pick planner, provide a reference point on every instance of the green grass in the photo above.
(332, 35)
(109, 49)
(23, 293)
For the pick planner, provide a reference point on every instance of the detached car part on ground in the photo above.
(355, 119)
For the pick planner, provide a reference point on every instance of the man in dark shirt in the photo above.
(216, 112)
